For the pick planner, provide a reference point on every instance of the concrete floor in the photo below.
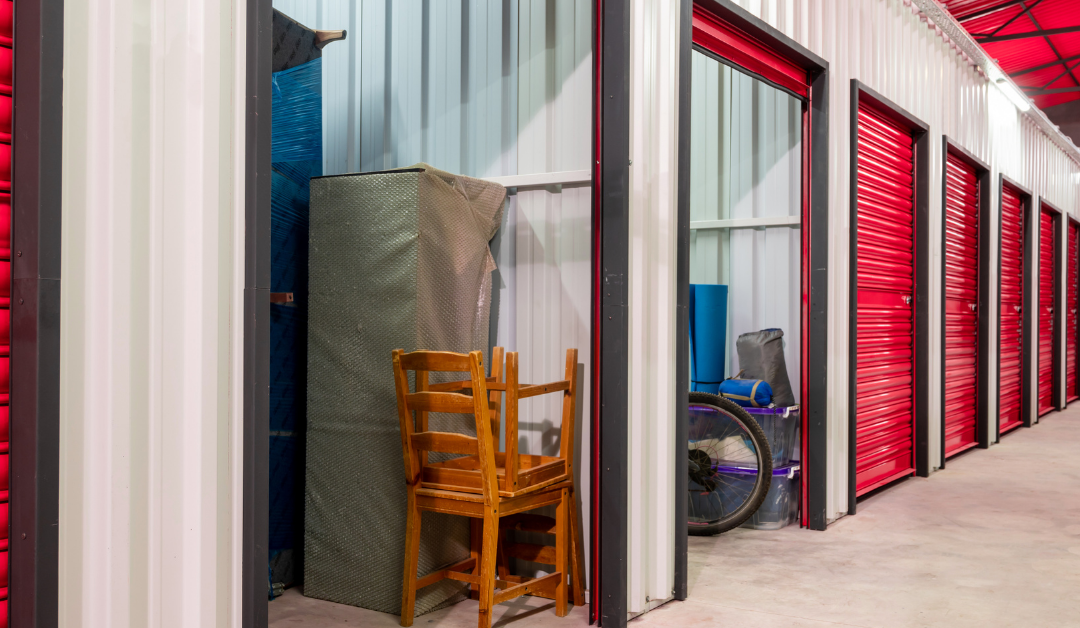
(991, 542)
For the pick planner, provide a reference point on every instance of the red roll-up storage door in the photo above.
(885, 356)
(961, 305)
(1071, 303)
(1047, 297)
(1012, 313)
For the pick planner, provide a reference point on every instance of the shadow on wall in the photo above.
(1067, 117)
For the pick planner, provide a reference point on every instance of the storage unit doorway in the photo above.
(1049, 353)
(1014, 307)
(728, 54)
(889, 298)
(965, 302)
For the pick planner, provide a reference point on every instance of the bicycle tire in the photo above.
(764, 459)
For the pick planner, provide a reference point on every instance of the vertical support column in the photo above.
(35, 146)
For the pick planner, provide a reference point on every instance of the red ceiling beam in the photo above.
(1036, 68)
(1037, 33)
(988, 11)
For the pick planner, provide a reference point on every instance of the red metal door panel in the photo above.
(1047, 298)
(1072, 295)
(1011, 308)
(885, 267)
(961, 305)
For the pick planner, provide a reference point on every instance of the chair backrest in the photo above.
(417, 439)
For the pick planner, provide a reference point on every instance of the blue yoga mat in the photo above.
(708, 336)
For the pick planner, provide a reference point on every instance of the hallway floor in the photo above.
(993, 541)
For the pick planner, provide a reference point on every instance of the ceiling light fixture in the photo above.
(1013, 93)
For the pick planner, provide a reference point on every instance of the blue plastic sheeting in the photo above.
(296, 143)
(297, 113)
(708, 336)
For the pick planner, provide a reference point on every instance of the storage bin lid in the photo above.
(789, 470)
(785, 412)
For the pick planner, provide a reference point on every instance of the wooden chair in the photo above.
(471, 485)
(533, 522)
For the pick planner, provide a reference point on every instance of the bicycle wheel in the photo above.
(730, 465)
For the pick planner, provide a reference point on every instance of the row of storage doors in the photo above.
(885, 349)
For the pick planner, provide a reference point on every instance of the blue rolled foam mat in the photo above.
(708, 336)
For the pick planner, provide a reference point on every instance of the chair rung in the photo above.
(524, 392)
(446, 442)
(543, 554)
(463, 577)
(442, 574)
(528, 523)
(449, 402)
(537, 585)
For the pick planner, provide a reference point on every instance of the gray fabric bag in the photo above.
(761, 356)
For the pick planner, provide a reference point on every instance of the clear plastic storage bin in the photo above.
(781, 430)
(781, 505)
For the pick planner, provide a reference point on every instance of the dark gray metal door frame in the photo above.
(256, 432)
(33, 598)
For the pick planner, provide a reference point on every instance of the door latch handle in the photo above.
(972, 306)
(1017, 308)
(906, 299)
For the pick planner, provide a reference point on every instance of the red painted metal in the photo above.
(961, 305)
(805, 304)
(747, 52)
(1071, 303)
(1011, 359)
(6, 72)
(885, 370)
(597, 310)
(1047, 298)
(1018, 55)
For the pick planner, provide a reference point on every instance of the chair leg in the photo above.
(577, 554)
(502, 567)
(412, 556)
(476, 535)
(562, 551)
(488, 553)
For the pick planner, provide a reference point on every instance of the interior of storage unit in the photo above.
(480, 88)
(746, 185)
(746, 204)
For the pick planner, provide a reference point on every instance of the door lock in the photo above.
(972, 306)
(1017, 308)
(906, 299)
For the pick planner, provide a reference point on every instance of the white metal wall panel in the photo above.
(745, 161)
(890, 46)
(654, 50)
(151, 314)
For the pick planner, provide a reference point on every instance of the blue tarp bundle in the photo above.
(296, 147)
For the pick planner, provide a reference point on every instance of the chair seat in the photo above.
(463, 474)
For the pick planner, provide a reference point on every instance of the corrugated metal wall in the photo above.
(654, 49)
(151, 318)
(886, 45)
